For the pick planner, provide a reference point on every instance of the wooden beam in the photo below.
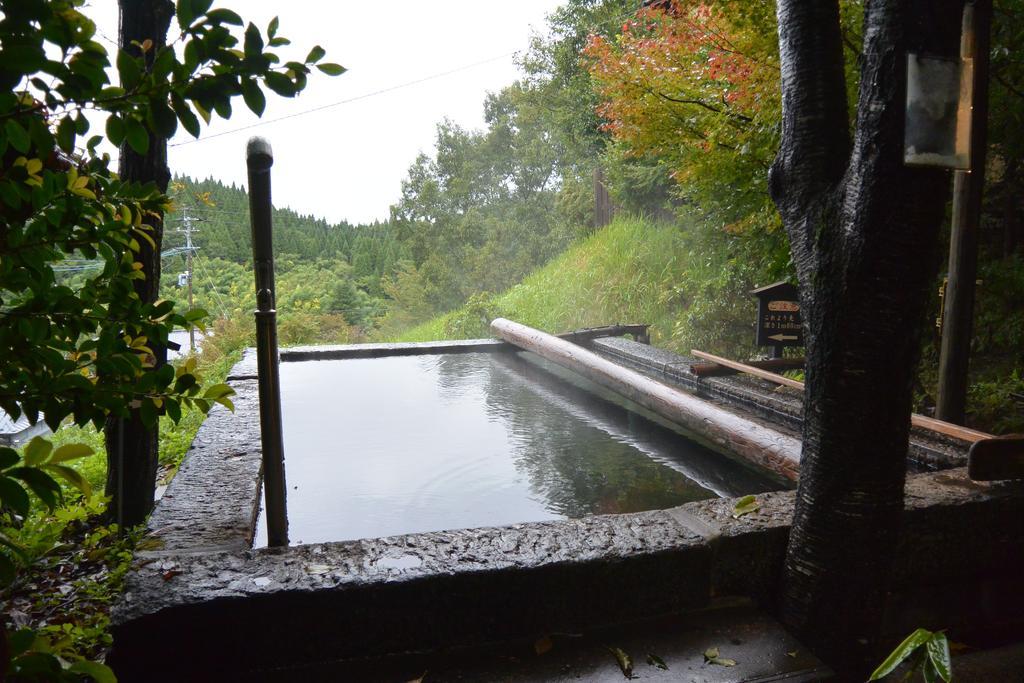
(749, 369)
(733, 433)
(638, 330)
(709, 369)
(928, 423)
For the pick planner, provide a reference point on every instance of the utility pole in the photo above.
(187, 219)
(958, 302)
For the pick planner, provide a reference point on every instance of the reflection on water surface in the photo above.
(376, 447)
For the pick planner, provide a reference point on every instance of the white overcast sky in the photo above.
(347, 162)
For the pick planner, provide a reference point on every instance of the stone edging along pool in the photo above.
(199, 586)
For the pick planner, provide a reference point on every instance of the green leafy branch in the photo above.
(928, 652)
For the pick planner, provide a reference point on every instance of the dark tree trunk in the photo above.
(863, 230)
(132, 449)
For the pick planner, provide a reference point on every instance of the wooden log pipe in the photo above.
(745, 438)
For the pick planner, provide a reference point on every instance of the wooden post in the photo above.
(259, 159)
(733, 433)
(958, 312)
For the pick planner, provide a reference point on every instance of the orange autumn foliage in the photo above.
(695, 84)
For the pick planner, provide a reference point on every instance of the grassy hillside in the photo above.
(693, 286)
(630, 271)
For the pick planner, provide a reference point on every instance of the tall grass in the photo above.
(632, 271)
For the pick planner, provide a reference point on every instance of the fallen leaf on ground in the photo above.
(744, 506)
(656, 661)
(542, 645)
(624, 660)
(711, 656)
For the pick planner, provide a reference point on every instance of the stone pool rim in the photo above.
(196, 567)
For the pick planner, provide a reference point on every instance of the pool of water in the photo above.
(384, 446)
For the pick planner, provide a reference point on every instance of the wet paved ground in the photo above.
(761, 649)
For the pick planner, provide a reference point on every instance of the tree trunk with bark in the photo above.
(132, 448)
(863, 230)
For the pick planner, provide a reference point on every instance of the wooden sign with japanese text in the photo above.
(778, 316)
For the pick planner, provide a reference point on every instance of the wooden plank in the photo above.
(998, 458)
(733, 433)
(710, 369)
(749, 369)
(638, 330)
(948, 428)
(928, 423)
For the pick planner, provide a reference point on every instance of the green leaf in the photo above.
(272, 27)
(253, 96)
(199, 7)
(744, 506)
(253, 41)
(37, 450)
(162, 119)
(17, 136)
(316, 54)
(115, 130)
(173, 410)
(184, 12)
(280, 84)
(71, 476)
(218, 391)
(331, 69)
(66, 134)
(224, 16)
(14, 496)
(70, 451)
(41, 483)
(137, 136)
(164, 63)
(928, 672)
(902, 651)
(100, 673)
(21, 641)
(128, 69)
(188, 119)
(938, 656)
(8, 457)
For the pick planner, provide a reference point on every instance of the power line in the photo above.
(364, 96)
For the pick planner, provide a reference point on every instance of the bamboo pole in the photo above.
(738, 435)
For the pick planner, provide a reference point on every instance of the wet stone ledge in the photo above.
(211, 503)
(264, 608)
(274, 607)
(343, 351)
